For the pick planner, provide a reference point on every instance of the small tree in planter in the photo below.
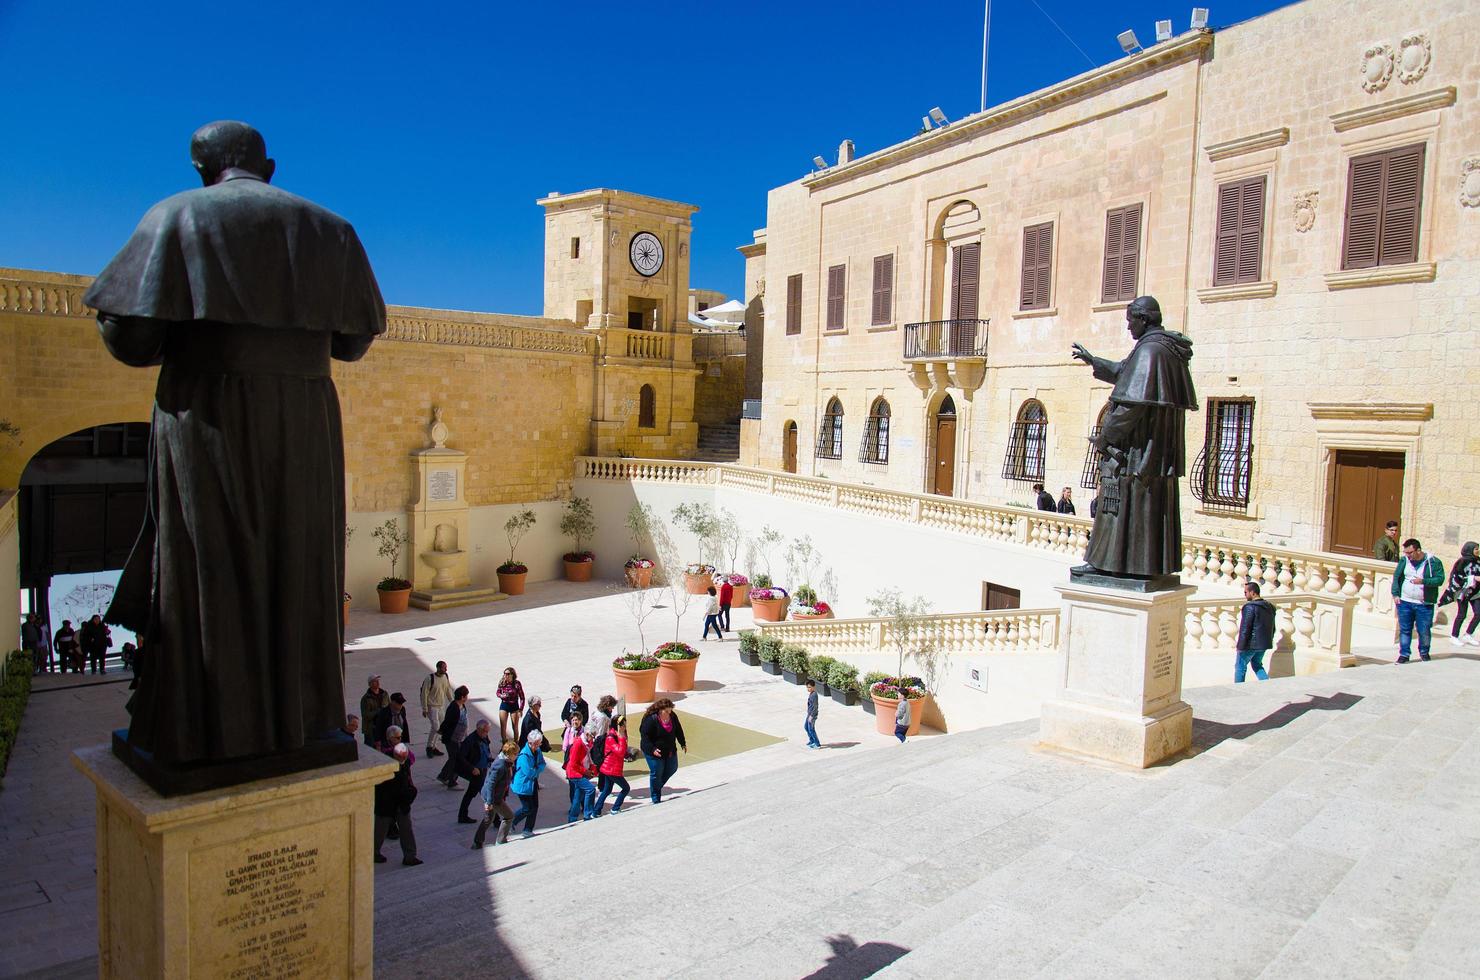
(795, 664)
(842, 683)
(640, 523)
(703, 523)
(750, 648)
(674, 587)
(909, 635)
(579, 523)
(394, 592)
(511, 573)
(763, 549)
(768, 651)
(676, 665)
(636, 677)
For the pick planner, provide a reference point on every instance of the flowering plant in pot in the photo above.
(639, 569)
(511, 573)
(768, 652)
(769, 604)
(795, 664)
(750, 648)
(704, 524)
(578, 523)
(676, 665)
(869, 680)
(741, 585)
(808, 606)
(886, 693)
(394, 592)
(636, 677)
(908, 631)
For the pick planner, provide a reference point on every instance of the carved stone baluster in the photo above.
(1226, 570)
(1316, 581)
(1241, 568)
(1227, 628)
(1200, 565)
(1365, 595)
(1305, 630)
(1269, 581)
(1186, 561)
(1211, 630)
(1297, 583)
(1193, 629)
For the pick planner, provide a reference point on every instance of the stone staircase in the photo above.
(719, 443)
(1321, 825)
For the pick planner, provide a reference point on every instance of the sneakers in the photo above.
(1425, 657)
(1401, 660)
(431, 751)
(1469, 640)
(412, 862)
(463, 819)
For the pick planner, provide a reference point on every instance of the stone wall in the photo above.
(719, 391)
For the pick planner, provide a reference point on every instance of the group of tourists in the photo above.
(595, 752)
(77, 650)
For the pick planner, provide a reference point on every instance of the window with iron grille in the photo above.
(1220, 476)
(1089, 476)
(794, 304)
(830, 434)
(1027, 445)
(875, 446)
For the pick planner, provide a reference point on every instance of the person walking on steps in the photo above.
(578, 774)
(371, 702)
(435, 694)
(453, 730)
(902, 718)
(711, 616)
(526, 785)
(496, 811)
(662, 737)
(726, 599)
(1255, 634)
(810, 724)
(393, 799)
(473, 758)
(510, 702)
(1416, 583)
(613, 759)
(1464, 590)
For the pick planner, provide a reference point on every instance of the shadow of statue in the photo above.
(1207, 734)
(850, 961)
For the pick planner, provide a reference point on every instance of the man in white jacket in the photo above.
(436, 695)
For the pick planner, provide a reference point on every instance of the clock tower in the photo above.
(617, 264)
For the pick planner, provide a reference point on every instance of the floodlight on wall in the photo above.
(1199, 18)
(925, 126)
(939, 117)
(1128, 42)
(819, 163)
(1163, 30)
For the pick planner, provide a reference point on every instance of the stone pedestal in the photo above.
(266, 879)
(1119, 694)
(440, 535)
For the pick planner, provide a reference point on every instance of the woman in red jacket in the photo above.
(611, 766)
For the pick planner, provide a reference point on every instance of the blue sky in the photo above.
(434, 127)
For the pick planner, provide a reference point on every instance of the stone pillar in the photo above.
(270, 878)
(1119, 693)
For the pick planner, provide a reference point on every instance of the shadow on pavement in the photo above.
(850, 961)
(1207, 734)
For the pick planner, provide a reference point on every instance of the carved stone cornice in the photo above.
(1248, 144)
(1396, 109)
(1372, 411)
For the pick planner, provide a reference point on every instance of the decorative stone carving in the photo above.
(760, 286)
(1469, 183)
(1305, 210)
(683, 249)
(438, 430)
(1377, 67)
(1414, 54)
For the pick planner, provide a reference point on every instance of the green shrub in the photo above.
(817, 667)
(762, 581)
(13, 695)
(806, 595)
(842, 677)
(750, 642)
(794, 658)
(873, 677)
(769, 650)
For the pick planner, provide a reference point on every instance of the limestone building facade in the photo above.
(1302, 194)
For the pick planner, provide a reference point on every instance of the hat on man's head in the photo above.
(372, 679)
(398, 697)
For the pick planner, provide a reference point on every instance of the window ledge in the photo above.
(1382, 275)
(1105, 307)
(1030, 314)
(883, 328)
(1237, 290)
(836, 332)
(1248, 514)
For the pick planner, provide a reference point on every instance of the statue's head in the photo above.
(219, 147)
(1143, 313)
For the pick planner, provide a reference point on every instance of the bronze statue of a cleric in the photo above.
(242, 293)
(1136, 542)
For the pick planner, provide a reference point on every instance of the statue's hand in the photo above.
(1080, 354)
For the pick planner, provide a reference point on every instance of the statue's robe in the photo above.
(242, 293)
(1138, 523)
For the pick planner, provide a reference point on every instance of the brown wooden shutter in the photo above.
(1037, 264)
(1402, 190)
(837, 277)
(1225, 249)
(1363, 211)
(794, 304)
(1110, 290)
(883, 290)
(1122, 253)
(965, 278)
(1238, 253)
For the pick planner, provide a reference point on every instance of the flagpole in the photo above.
(986, 36)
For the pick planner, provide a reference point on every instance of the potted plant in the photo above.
(817, 669)
(676, 665)
(511, 573)
(636, 677)
(394, 592)
(703, 523)
(808, 606)
(750, 648)
(741, 585)
(869, 680)
(908, 632)
(886, 694)
(638, 569)
(579, 522)
(795, 664)
(768, 604)
(842, 683)
(768, 651)
(698, 578)
(731, 540)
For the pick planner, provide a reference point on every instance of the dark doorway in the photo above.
(789, 448)
(996, 596)
(1366, 493)
(944, 463)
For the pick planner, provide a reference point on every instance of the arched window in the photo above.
(830, 435)
(875, 447)
(647, 408)
(1028, 444)
(1089, 477)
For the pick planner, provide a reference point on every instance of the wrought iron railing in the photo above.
(945, 338)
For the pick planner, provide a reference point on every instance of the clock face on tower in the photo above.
(646, 253)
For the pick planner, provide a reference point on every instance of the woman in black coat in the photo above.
(662, 736)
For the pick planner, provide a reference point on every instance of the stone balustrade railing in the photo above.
(432, 330)
(1217, 563)
(1313, 630)
(46, 298)
(644, 345)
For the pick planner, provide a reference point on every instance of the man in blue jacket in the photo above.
(1416, 583)
(1255, 634)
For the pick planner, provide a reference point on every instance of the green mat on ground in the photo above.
(707, 739)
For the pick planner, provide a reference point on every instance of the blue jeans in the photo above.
(1246, 658)
(1411, 614)
(582, 799)
(607, 782)
(660, 770)
(900, 730)
(529, 808)
(811, 730)
(713, 621)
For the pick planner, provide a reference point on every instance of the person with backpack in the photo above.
(526, 784)
(496, 811)
(435, 694)
(1464, 589)
(1416, 583)
(578, 774)
(610, 765)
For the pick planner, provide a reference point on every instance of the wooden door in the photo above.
(945, 454)
(789, 448)
(1366, 493)
(996, 596)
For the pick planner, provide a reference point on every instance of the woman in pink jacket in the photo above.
(611, 766)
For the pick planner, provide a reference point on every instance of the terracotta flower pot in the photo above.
(394, 600)
(741, 598)
(579, 571)
(512, 583)
(639, 578)
(637, 686)
(697, 584)
(884, 709)
(770, 610)
(802, 615)
(676, 675)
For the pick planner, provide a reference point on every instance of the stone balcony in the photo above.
(946, 353)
